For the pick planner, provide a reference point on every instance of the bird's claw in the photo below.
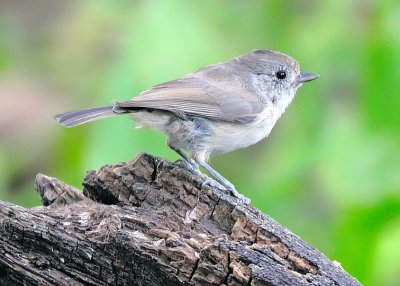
(229, 187)
(191, 166)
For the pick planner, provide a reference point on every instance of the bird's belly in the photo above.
(228, 137)
(204, 135)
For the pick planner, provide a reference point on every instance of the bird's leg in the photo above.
(221, 180)
(221, 183)
(187, 162)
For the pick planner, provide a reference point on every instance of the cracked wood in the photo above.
(149, 222)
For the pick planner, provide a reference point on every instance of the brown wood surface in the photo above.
(149, 222)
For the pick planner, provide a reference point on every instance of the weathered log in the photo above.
(150, 222)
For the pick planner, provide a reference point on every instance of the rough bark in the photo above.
(149, 222)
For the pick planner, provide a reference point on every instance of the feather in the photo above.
(77, 117)
(193, 95)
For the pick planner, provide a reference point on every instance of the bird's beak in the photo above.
(306, 76)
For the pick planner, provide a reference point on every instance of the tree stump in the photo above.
(150, 222)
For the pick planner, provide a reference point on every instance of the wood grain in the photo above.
(149, 222)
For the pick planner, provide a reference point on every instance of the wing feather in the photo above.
(196, 96)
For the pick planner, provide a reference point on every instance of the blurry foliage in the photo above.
(330, 170)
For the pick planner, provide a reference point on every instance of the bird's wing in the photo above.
(195, 96)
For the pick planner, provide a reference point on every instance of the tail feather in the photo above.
(77, 117)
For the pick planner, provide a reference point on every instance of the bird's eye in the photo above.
(281, 74)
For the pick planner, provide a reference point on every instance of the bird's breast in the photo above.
(229, 136)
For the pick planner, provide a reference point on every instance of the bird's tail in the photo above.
(77, 117)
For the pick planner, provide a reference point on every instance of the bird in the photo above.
(216, 109)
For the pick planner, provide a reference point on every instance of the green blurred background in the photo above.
(330, 170)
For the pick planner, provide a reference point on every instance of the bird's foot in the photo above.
(227, 186)
(191, 166)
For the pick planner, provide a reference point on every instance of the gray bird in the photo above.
(217, 109)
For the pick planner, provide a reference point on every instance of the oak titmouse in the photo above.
(217, 109)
